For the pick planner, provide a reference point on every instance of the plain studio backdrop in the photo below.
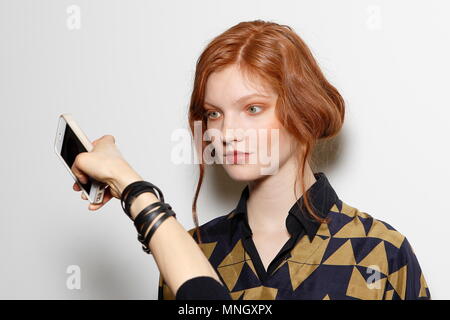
(126, 68)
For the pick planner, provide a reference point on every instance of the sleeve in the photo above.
(160, 288)
(202, 288)
(406, 281)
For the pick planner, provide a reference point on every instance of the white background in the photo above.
(128, 72)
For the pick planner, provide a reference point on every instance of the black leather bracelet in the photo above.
(127, 190)
(154, 228)
(157, 223)
(145, 220)
(133, 190)
(124, 195)
(134, 193)
(133, 184)
(144, 213)
(147, 215)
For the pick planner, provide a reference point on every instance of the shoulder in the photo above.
(376, 243)
(347, 220)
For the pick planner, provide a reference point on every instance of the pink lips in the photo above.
(235, 156)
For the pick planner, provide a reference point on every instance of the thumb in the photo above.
(80, 175)
(108, 138)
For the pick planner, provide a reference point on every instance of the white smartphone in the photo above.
(69, 142)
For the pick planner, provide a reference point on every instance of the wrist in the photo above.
(143, 200)
(122, 176)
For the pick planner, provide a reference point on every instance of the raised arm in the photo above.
(177, 255)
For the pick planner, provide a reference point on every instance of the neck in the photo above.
(271, 198)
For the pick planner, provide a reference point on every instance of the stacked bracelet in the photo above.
(145, 218)
(135, 189)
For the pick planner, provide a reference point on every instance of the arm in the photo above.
(179, 258)
(171, 244)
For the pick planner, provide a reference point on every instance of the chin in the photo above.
(243, 172)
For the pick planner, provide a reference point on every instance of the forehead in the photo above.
(230, 84)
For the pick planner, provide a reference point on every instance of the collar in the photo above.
(321, 195)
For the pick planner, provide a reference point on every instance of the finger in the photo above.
(76, 187)
(95, 141)
(97, 206)
(93, 207)
(109, 138)
(81, 176)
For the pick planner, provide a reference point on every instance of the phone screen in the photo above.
(70, 148)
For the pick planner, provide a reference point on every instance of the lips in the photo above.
(235, 152)
(235, 156)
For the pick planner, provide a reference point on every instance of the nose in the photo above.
(231, 131)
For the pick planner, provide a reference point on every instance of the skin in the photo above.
(271, 195)
(171, 245)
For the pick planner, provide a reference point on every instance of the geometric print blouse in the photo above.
(354, 256)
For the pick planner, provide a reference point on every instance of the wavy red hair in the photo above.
(308, 106)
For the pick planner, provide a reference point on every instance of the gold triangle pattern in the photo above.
(230, 268)
(323, 230)
(207, 248)
(343, 256)
(348, 210)
(389, 294)
(306, 258)
(376, 259)
(359, 288)
(334, 208)
(256, 293)
(353, 229)
(423, 286)
(298, 277)
(309, 252)
(397, 280)
(379, 230)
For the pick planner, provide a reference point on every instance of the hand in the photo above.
(104, 163)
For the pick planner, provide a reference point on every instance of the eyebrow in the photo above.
(243, 98)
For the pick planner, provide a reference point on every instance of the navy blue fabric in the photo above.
(202, 288)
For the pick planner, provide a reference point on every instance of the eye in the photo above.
(253, 107)
(208, 113)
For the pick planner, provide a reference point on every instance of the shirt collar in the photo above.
(321, 195)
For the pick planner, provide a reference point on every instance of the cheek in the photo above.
(284, 145)
(279, 145)
(274, 139)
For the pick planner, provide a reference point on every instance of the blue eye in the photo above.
(208, 113)
(253, 106)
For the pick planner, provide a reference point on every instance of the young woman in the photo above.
(263, 101)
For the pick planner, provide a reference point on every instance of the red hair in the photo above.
(308, 106)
